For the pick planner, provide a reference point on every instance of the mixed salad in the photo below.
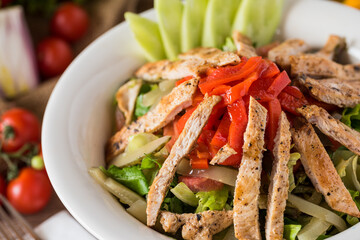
(226, 135)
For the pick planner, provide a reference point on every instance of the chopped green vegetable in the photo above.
(140, 109)
(192, 24)
(294, 157)
(351, 117)
(258, 23)
(322, 237)
(182, 192)
(132, 158)
(341, 167)
(355, 195)
(149, 161)
(351, 220)
(219, 17)
(172, 204)
(131, 177)
(229, 45)
(313, 229)
(139, 140)
(291, 231)
(169, 13)
(147, 35)
(212, 200)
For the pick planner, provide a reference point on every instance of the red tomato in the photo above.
(70, 22)
(18, 127)
(54, 55)
(30, 191)
(197, 184)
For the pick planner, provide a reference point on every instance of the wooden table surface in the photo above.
(39, 29)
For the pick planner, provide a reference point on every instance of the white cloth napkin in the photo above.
(62, 226)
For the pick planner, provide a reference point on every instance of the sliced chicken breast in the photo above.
(279, 185)
(247, 187)
(212, 56)
(126, 98)
(321, 171)
(181, 148)
(332, 127)
(281, 53)
(334, 45)
(223, 153)
(197, 226)
(166, 110)
(191, 63)
(320, 67)
(243, 45)
(332, 91)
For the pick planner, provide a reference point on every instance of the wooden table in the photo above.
(36, 100)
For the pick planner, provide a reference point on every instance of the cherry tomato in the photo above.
(54, 55)
(18, 127)
(70, 22)
(30, 191)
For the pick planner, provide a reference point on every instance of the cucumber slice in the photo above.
(219, 17)
(258, 19)
(124, 194)
(139, 140)
(169, 13)
(134, 157)
(147, 34)
(138, 210)
(192, 24)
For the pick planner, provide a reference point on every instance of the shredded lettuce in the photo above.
(351, 117)
(140, 108)
(172, 204)
(131, 177)
(294, 157)
(150, 161)
(212, 200)
(291, 229)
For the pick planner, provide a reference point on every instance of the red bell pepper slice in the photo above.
(280, 82)
(220, 90)
(222, 132)
(274, 111)
(291, 98)
(239, 90)
(183, 119)
(198, 163)
(212, 81)
(183, 80)
(271, 71)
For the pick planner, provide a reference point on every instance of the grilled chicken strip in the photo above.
(321, 171)
(332, 91)
(332, 127)
(191, 63)
(281, 53)
(243, 45)
(223, 153)
(181, 148)
(166, 110)
(279, 185)
(332, 47)
(126, 98)
(197, 226)
(320, 67)
(247, 187)
(211, 56)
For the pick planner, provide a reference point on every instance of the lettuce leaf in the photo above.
(294, 157)
(140, 109)
(131, 177)
(212, 200)
(351, 117)
(291, 229)
(229, 45)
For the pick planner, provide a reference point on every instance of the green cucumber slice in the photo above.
(219, 17)
(192, 24)
(258, 23)
(147, 35)
(169, 13)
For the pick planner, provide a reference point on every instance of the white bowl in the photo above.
(78, 116)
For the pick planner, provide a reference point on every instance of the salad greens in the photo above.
(351, 117)
(140, 108)
(212, 200)
(183, 192)
(131, 177)
(291, 229)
